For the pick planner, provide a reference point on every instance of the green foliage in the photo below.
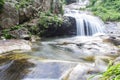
(48, 20)
(108, 10)
(64, 1)
(34, 30)
(113, 73)
(6, 32)
(23, 3)
(1, 5)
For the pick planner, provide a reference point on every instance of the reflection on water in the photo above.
(19, 66)
(14, 69)
(62, 49)
(49, 60)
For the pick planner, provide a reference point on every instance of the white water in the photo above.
(83, 2)
(87, 25)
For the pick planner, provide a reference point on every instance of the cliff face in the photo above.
(20, 11)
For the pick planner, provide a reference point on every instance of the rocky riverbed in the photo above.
(66, 58)
(75, 58)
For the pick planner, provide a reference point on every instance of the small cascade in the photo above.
(80, 1)
(87, 25)
(83, 2)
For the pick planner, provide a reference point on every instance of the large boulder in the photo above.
(11, 45)
(9, 16)
(68, 27)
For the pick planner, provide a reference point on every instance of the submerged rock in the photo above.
(32, 69)
(83, 71)
(89, 46)
(78, 73)
(76, 58)
(10, 45)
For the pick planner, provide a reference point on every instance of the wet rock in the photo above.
(80, 65)
(97, 77)
(10, 45)
(84, 71)
(68, 27)
(15, 69)
(111, 39)
(35, 38)
(115, 40)
(100, 64)
(34, 69)
(50, 69)
(116, 61)
(70, 1)
(21, 33)
(113, 28)
(80, 72)
(89, 46)
(99, 48)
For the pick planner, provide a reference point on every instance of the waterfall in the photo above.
(79, 1)
(87, 25)
(83, 2)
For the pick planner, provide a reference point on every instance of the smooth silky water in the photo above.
(44, 62)
(87, 25)
(47, 58)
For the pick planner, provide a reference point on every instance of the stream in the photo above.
(55, 59)
(66, 58)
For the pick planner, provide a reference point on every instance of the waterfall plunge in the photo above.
(87, 25)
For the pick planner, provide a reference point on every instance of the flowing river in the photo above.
(68, 58)
(55, 59)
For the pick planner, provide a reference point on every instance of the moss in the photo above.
(17, 56)
(108, 10)
(112, 73)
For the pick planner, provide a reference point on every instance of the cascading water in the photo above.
(82, 2)
(87, 25)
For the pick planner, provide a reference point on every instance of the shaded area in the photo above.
(18, 66)
(13, 69)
